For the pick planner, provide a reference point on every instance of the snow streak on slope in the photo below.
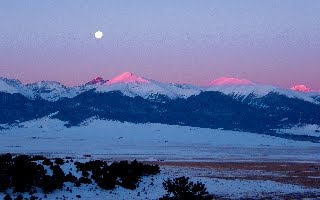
(314, 95)
(308, 129)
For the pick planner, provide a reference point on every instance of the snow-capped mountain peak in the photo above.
(132, 85)
(127, 77)
(230, 81)
(50, 90)
(9, 85)
(98, 80)
(301, 88)
(258, 91)
(46, 84)
(13, 86)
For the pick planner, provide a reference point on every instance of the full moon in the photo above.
(98, 34)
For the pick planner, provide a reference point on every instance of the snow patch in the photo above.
(309, 129)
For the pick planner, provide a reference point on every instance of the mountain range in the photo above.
(227, 103)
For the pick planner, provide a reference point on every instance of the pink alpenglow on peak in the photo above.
(97, 80)
(301, 88)
(127, 77)
(230, 81)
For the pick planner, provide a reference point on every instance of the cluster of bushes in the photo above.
(183, 189)
(125, 174)
(25, 173)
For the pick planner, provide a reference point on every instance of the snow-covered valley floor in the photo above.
(111, 140)
(116, 140)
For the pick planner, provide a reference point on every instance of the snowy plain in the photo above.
(123, 140)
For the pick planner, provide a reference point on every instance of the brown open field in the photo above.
(305, 174)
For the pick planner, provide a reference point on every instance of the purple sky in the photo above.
(268, 41)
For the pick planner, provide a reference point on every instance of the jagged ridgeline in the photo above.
(245, 106)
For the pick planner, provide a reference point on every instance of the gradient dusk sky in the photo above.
(192, 41)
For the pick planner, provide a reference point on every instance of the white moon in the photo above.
(98, 34)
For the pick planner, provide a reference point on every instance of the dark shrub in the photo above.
(70, 178)
(47, 185)
(85, 180)
(80, 166)
(107, 181)
(7, 197)
(5, 180)
(38, 157)
(85, 174)
(5, 176)
(19, 197)
(51, 183)
(57, 177)
(59, 161)
(25, 174)
(130, 182)
(91, 165)
(47, 162)
(182, 189)
(5, 158)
